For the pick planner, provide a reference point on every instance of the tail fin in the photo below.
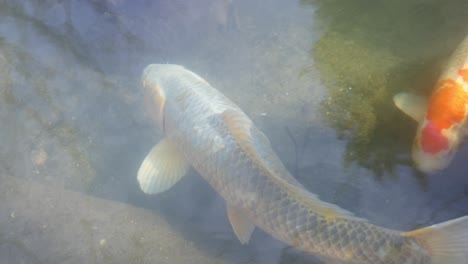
(447, 242)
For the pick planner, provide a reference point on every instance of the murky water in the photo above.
(316, 76)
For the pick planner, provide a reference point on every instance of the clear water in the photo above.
(316, 76)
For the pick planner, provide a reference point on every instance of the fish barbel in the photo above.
(443, 118)
(205, 130)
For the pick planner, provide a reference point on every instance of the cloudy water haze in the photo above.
(317, 77)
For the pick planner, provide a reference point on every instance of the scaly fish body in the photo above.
(444, 120)
(222, 144)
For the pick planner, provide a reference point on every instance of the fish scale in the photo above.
(290, 221)
(223, 145)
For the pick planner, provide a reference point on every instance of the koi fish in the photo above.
(443, 119)
(205, 130)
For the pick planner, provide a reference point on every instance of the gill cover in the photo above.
(155, 97)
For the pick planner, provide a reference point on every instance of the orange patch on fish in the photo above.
(447, 105)
(464, 74)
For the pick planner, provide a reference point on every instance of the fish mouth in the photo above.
(430, 163)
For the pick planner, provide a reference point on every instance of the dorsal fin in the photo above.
(312, 202)
(256, 145)
(246, 133)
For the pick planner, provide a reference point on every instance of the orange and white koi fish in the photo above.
(205, 130)
(442, 119)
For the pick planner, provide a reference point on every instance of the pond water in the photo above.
(317, 77)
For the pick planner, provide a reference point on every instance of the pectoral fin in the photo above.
(242, 226)
(412, 105)
(163, 167)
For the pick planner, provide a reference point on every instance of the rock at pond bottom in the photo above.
(42, 224)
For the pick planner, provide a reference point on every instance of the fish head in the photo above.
(441, 130)
(434, 148)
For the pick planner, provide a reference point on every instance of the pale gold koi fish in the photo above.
(208, 132)
(443, 120)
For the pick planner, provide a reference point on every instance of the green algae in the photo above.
(369, 51)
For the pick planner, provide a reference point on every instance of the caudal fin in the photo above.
(447, 242)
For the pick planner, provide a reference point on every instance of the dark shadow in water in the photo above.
(369, 51)
(63, 34)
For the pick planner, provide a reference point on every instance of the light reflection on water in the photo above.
(71, 103)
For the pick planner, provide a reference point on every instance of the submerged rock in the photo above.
(43, 224)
